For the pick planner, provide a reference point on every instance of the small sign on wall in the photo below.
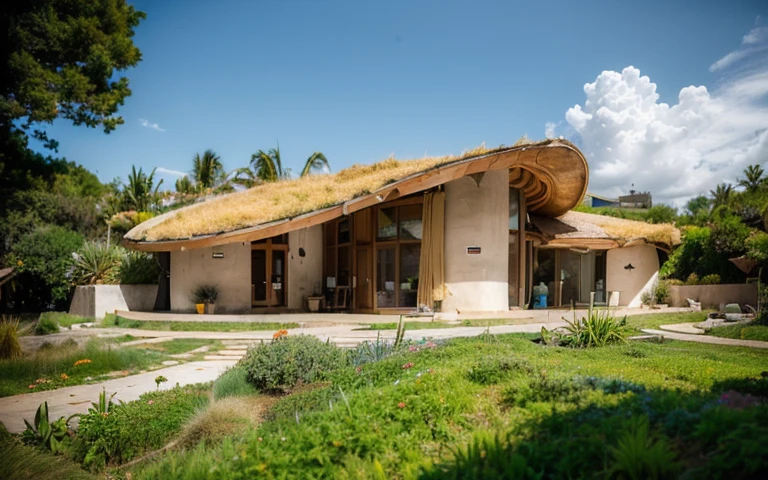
(473, 250)
(218, 254)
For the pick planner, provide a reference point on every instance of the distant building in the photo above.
(636, 200)
(592, 200)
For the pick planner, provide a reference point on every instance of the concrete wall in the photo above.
(304, 272)
(232, 274)
(631, 283)
(712, 296)
(96, 300)
(477, 216)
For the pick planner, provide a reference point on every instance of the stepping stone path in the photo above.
(233, 350)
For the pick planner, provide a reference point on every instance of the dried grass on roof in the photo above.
(625, 231)
(285, 199)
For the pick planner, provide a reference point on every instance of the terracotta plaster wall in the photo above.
(232, 274)
(477, 216)
(307, 271)
(631, 283)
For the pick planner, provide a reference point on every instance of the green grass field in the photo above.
(159, 325)
(741, 332)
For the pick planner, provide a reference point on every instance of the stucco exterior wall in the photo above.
(96, 300)
(712, 296)
(477, 216)
(304, 272)
(631, 283)
(232, 274)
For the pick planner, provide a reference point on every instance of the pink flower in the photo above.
(150, 402)
(407, 366)
(401, 405)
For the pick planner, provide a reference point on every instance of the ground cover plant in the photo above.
(68, 364)
(508, 408)
(741, 332)
(130, 429)
(183, 345)
(118, 321)
(9, 338)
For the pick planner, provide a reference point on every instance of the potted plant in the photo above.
(204, 298)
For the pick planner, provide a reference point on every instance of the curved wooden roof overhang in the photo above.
(553, 178)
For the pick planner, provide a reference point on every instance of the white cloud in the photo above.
(676, 151)
(754, 42)
(171, 172)
(153, 126)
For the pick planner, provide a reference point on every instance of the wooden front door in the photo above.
(268, 273)
(363, 279)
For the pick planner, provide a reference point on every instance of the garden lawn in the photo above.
(430, 325)
(117, 321)
(50, 322)
(655, 320)
(506, 407)
(55, 366)
(741, 332)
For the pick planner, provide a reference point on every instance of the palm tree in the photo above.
(207, 169)
(754, 180)
(141, 193)
(721, 195)
(184, 185)
(268, 167)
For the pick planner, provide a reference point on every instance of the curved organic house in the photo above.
(462, 234)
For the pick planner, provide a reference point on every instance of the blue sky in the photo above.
(360, 81)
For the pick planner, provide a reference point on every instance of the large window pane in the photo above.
(409, 274)
(410, 222)
(545, 273)
(514, 209)
(570, 276)
(385, 277)
(343, 231)
(386, 228)
(514, 272)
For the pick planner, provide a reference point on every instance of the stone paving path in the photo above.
(77, 399)
(698, 338)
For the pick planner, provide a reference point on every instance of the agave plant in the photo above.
(598, 329)
(96, 263)
(48, 435)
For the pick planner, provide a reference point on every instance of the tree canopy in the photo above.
(60, 59)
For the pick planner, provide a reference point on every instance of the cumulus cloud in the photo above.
(148, 124)
(168, 171)
(675, 151)
(549, 129)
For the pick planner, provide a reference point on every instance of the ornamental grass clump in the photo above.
(9, 338)
(290, 360)
(598, 329)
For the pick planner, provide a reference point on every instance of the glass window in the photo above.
(344, 231)
(410, 222)
(409, 274)
(544, 272)
(514, 273)
(385, 277)
(514, 209)
(570, 275)
(386, 227)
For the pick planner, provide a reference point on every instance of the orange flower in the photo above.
(279, 333)
(82, 362)
(64, 376)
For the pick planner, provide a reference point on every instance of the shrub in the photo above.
(132, 428)
(692, 279)
(661, 292)
(233, 382)
(96, 263)
(674, 281)
(138, 268)
(43, 259)
(46, 325)
(9, 338)
(711, 279)
(490, 371)
(223, 418)
(289, 360)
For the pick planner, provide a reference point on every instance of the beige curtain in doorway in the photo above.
(432, 259)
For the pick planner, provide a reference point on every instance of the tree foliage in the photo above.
(60, 58)
(43, 258)
(141, 193)
(207, 170)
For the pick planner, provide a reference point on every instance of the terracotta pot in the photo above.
(200, 308)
